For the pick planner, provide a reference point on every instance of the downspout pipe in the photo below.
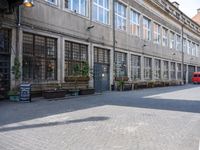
(182, 56)
(18, 26)
(114, 37)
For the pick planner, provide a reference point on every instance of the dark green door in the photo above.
(101, 69)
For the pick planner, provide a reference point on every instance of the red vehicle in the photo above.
(196, 77)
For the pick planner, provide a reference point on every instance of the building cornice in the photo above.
(177, 14)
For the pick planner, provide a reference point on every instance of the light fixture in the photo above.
(28, 3)
(90, 27)
(144, 45)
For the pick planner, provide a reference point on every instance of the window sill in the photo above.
(100, 23)
(75, 13)
(52, 4)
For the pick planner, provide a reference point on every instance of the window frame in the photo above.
(165, 70)
(98, 6)
(165, 39)
(147, 29)
(173, 70)
(39, 57)
(172, 42)
(178, 71)
(123, 72)
(118, 15)
(75, 56)
(135, 23)
(70, 7)
(52, 3)
(147, 68)
(178, 42)
(156, 33)
(157, 65)
(135, 69)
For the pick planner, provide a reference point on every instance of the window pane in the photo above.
(100, 11)
(41, 63)
(76, 54)
(120, 64)
(120, 16)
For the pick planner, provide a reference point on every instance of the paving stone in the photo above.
(150, 119)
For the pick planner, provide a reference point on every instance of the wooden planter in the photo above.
(121, 78)
(72, 79)
(74, 92)
(140, 85)
(125, 87)
(14, 98)
(150, 84)
(54, 94)
(86, 91)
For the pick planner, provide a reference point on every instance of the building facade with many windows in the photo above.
(54, 36)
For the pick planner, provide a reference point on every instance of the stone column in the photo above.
(91, 64)
(19, 50)
(61, 50)
(13, 55)
(111, 67)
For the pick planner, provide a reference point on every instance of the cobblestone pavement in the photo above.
(151, 119)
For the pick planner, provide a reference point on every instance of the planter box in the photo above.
(54, 94)
(74, 92)
(140, 85)
(14, 98)
(86, 91)
(121, 78)
(73, 79)
(150, 84)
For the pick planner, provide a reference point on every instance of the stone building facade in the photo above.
(55, 35)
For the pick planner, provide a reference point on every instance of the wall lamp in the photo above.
(144, 45)
(90, 27)
(28, 3)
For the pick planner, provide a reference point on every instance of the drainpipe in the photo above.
(18, 31)
(114, 38)
(182, 56)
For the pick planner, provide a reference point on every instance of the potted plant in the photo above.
(76, 73)
(120, 85)
(82, 74)
(14, 92)
(150, 84)
(124, 78)
(85, 76)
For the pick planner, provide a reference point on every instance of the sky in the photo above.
(189, 7)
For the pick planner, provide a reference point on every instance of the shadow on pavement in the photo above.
(89, 119)
(17, 112)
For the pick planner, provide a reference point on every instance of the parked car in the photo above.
(196, 77)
